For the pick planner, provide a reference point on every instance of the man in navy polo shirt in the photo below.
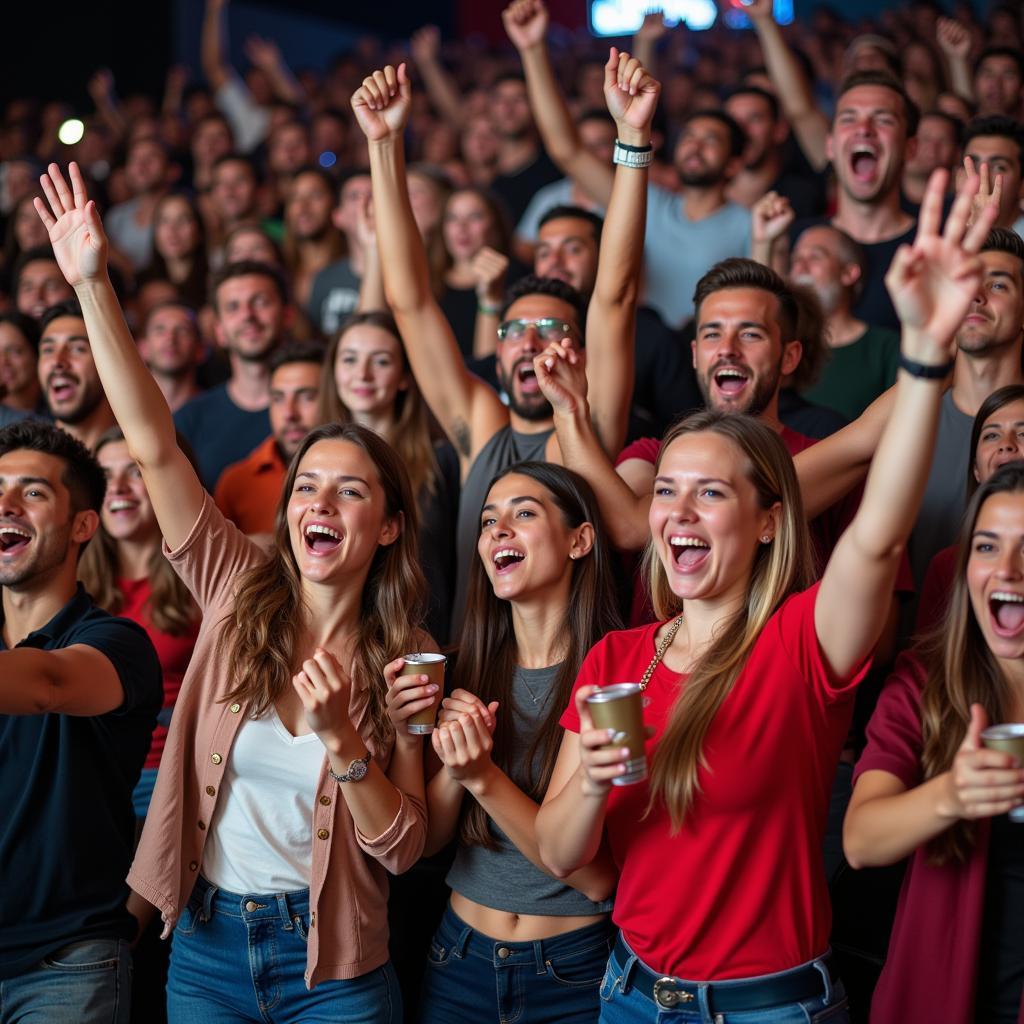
(79, 693)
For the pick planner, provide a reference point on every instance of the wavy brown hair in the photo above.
(488, 653)
(262, 633)
(169, 607)
(413, 430)
(961, 670)
(779, 569)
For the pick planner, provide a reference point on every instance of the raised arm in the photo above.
(371, 287)
(468, 410)
(809, 124)
(211, 45)
(77, 680)
(425, 47)
(632, 97)
(646, 38)
(771, 218)
(264, 54)
(139, 407)
(526, 22)
(932, 284)
(954, 40)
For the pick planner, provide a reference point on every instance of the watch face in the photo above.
(357, 770)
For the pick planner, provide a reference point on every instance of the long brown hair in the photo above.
(169, 607)
(412, 435)
(193, 288)
(261, 635)
(961, 671)
(779, 569)
(488, 653)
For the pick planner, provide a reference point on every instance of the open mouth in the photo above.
(321, 539)
(864, 163)
(122, 505)
(688, 553)
(13, 539)
(507, 558)
(730, 380)
(1007, 610)
(527, 377)
(62, 388)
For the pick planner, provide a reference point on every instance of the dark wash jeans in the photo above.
(475, 979)
(242, 957)
(87, 982)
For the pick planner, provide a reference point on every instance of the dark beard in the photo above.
(533, 412)
(703, 180)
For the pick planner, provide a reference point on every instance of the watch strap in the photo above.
(356, 772)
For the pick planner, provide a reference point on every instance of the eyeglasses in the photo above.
(547, 329)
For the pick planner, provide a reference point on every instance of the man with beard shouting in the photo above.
(487, 435)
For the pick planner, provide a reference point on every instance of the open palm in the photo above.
(73, 222)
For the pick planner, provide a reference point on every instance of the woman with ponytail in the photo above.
(749, 680)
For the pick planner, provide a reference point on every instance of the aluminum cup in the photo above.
(1009, 739)
(620, 707)
(425, 664)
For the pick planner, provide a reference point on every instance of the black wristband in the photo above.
(924, 370)
(634, 149)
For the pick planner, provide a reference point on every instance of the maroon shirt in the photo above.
(931, 970)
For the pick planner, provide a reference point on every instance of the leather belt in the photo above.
(729, 996)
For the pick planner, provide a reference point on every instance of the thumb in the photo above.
(94, 224)
(611, 68)
(977, 725)
(404, 85)
(493, 707)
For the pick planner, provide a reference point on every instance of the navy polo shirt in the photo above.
(67, 828)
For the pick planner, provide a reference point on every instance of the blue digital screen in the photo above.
(624, 17)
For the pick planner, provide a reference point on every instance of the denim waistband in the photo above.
(465, 941)
(287, 906)
(814, 979)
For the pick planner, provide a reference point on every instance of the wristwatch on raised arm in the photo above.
(357, 770)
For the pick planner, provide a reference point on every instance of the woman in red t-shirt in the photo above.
(926, 787)
(125, 571)
(722, 904)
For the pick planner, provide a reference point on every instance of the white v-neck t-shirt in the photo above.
(261, 836)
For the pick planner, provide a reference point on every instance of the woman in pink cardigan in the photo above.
(284, 793)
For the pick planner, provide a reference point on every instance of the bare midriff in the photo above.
(500, 924)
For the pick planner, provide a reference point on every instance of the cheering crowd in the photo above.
(359, 428)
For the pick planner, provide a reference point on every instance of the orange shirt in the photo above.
(248, 492)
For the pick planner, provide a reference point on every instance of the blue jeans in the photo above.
(474, 979)
(87, 982)
(242, 958)
(621, 1003)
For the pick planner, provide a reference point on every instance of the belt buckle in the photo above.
(667, 995)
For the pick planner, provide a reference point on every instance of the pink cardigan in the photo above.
(348, 884)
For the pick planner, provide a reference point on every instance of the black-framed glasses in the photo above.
(547, 328)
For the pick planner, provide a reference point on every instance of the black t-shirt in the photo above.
(220, 432)
(666, 385)
(1001, 959)
(806, 418)
(67, 826)
(874, 305)
(516, 190)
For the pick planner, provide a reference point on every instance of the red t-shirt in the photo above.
(740, 891)
(935, 591)
(172, 651)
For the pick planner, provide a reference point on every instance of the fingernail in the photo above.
(610, 733)
(432, 688)
(624, 751)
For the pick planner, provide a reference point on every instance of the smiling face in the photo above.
(868, 141)
(369, 370)
(336, 513)
(1001, 440)
(67, 372)
(40, 286)
(468, 225)
(37, 523)
(526, 547)
(127, 513)
(739, 354)
(18, 378)
(706, 520)
(171, 345)
(294, 390)
(251, 316)
(995, 573)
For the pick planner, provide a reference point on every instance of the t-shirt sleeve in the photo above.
(212, 556)
(127, 647)
(249, 121)
(794, 630)
(645, 449)
(894, 733)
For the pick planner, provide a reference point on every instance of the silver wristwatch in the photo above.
(632, 156)
(356, 770)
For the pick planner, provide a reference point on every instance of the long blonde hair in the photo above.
(169, 607)
(413, 433)
(260, 635)
(778, 570)
(961, 671)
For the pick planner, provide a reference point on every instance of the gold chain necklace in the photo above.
(666, 643)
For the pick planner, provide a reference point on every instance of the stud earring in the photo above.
(766, 540)
(573, 557)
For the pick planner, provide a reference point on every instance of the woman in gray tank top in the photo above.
(516, 943)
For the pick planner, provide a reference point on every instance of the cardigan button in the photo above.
(322, 834)
(235, 708)
(210, 791)
(216, 758)
(325, 800)
(202, 826)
